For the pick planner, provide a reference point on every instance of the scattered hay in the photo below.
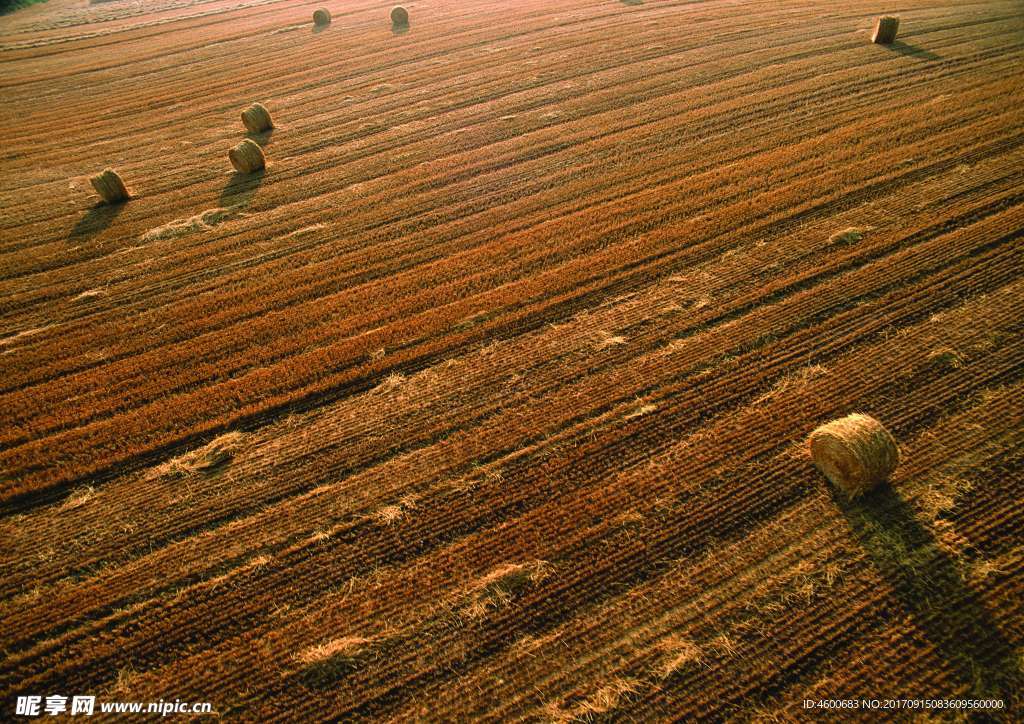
(256, 118)
(942, 495)
(305, 230)
(345, 647)
(90, 294)
(247, 157)
(210, 456)
(287, 29)
(629, 519)
(322, 17)
(855, 453)
(391, 514)
(983, 568)
(644, 410)
(885, 29)
(723, 646)
(679, 653)
(850, 235)
(77, 499)
(259, 562)
(25, 333)
(399, 16)
(609, 340)
(497, 589)
(323, 665)
(795, 381)
(124, 682)
(607, 698)
(181, 227)
(391, 383)
(321, 536)
(110, 187)
(946, 357)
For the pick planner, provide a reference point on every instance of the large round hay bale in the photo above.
(855, 452)
(110, 187)
(885, 29)
(399, 15)
(247, 157)
(256, 118)
(321, 17)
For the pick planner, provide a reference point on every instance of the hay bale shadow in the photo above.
(317, 29)
(632, 2)
(929, 586)
(400, 29)
(912, 51)
(241, 188)
(96, 219)
(263, 138)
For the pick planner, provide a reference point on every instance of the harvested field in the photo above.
(488, 398)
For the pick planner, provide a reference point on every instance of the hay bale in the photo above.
(247, 157)
(321, 17)
(256, 118)
(855, 452)
(399, 15)
(885, 29)
(110, 187)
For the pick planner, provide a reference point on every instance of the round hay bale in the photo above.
(247, 157)
(110, 187)
(855, 452)
(321, 17)
(256, 118)
(399, 15)
(885, 29)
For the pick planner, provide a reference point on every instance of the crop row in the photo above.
(364, 345)
(326, 569)
(657, 368)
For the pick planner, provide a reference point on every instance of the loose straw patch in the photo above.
(247, 157)
(212, 455)
(110, 187)
(200, 222)
(885, 29)
(849, 235)
(855, 452)
(256, 118)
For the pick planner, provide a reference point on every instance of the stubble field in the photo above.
(511, 354)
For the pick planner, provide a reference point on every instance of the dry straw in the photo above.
(399, 15)
(205, 459)
(850, 235)
(247, 157)
(110, 187)
(855, 452)
(321, 17)
(256, 118)
(885, 29)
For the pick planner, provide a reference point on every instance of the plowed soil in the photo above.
(488, 399)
